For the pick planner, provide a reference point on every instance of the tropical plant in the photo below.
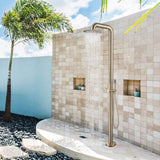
(104, 6)
(30, 20)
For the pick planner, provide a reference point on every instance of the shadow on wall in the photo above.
(31, 86)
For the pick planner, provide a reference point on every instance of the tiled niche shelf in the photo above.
(79, 84)
(130, 86)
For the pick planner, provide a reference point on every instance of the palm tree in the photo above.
(104, 6)
(30, 20)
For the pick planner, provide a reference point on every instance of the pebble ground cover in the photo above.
(21, 127)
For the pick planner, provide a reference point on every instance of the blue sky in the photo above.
(82, 13)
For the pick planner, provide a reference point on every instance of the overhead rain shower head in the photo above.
(92, 31)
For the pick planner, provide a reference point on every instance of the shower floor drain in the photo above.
(82, 137)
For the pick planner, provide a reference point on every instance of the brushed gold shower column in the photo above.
(111, 72)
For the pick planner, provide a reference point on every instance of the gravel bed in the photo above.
(23, 127)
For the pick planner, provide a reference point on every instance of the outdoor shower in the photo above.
(111, 70)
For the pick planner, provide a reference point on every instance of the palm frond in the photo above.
(142, 18)
(140, 2)
(104, 6)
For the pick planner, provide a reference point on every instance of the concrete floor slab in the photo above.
(83, 144)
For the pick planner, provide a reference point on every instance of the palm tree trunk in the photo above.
(7, 113)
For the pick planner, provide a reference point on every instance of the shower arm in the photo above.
(111, 72)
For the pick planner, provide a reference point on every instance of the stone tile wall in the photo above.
(136, 57)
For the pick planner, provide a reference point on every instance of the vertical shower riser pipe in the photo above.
(111, 72)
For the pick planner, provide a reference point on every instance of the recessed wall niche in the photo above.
(79, 84)
(132, 88)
